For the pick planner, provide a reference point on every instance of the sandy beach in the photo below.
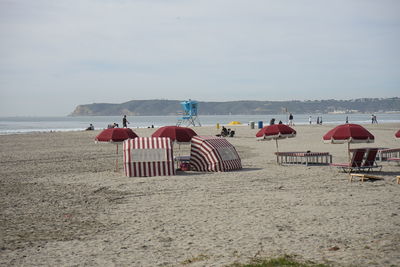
(62, 204)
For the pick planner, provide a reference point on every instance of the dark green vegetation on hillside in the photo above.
(172, 107)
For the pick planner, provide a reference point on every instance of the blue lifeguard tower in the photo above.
(189, 115)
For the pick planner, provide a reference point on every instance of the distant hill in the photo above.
(172, 107)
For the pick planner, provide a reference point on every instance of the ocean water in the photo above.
(12, 125)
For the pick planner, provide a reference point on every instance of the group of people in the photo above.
(290, 122)
(125, 123)
(113, 125)
(226, 132)
(319, 120)
(272, 122)
(373, 119)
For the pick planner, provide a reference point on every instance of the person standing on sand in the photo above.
(309, 120)
(291, 120)
(124, 122)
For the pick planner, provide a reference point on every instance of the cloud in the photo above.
(210, 50)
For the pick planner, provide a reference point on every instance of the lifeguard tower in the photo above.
(189, 114)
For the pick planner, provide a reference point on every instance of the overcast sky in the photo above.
(56, 54)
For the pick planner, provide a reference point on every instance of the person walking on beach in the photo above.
(124, 122)
(309, 120)
(291, 120)
(375, 120)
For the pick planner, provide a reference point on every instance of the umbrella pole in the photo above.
(348, 152)
(277, 150)
(116, 160)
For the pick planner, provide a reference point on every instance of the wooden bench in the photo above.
(365, 176)
(319, 158)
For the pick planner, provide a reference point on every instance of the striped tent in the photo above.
(148, 156)
(210, 153)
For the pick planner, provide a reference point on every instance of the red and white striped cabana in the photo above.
(148, 156)
(213, 154)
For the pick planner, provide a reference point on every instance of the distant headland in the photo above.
(157, 107)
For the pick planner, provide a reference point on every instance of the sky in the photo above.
(55, 55)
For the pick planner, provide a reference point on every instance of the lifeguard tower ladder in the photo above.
(189, 115)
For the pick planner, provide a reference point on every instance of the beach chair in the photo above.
(370, 160)
(355, 163)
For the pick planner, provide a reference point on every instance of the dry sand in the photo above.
(62, 204)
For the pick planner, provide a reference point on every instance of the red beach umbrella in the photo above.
(348, 133)
(275, 132)
(176, 133)
(115, 135)
(397, 134)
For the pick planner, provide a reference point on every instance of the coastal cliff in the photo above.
(131, 108)
(172, 107)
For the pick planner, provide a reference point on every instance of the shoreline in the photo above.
(21, 132)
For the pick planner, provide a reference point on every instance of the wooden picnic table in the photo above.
(308, 157)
